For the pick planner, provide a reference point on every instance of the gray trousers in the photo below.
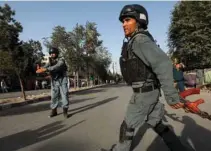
(59, 93)
(143, 109)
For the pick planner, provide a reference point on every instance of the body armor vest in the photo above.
(132, 67)
(59, 73)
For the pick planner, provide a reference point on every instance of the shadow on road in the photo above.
(192, 132)
(199, 136)
(94, 90)
(158, 143)
(76, 101)
(116, 85)
(26, 109)
(90, 106)
(70, 144)
(37, 107)
(29, 137)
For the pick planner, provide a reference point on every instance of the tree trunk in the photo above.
(74, 80)
(77, 77)
(98, 80)
(87, 74)
(87, 79)
(22, 88)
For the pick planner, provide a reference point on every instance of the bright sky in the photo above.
(39, 18)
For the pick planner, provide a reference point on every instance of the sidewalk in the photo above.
(17, 101)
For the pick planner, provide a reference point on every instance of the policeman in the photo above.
(146, 68)
(59, 82)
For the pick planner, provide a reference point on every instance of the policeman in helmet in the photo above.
(59, 89)
(147, 69)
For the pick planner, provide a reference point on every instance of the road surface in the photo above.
(95, 121)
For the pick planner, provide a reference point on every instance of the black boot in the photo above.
(53, 113)
(65, 112)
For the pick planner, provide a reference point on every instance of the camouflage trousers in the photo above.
(143, 110)
(59, 93)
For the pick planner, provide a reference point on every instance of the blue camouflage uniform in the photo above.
(147, 69)
(59, 83)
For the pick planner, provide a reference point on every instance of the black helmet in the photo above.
(54, 50)
(135, 11)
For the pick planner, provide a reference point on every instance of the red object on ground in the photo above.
(188, 92)
(193, 106)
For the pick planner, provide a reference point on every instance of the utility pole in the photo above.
(116, 67)
(113, 68)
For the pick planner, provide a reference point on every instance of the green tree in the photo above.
(189, 33)
(82, 50)
(91, 43)
(32, 53)
(102, 60)
(16, 55)
(9, 35)
(25, 57)
(5, 61)
(69, 46)
(91, 37)
(9, 29)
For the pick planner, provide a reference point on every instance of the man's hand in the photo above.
(41, 70)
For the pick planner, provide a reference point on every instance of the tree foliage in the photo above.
(9, 29)
(5, 61)
(29, 53)
(16, 55)
(189, 33)
(82, 49)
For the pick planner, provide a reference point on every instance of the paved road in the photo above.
(96, 117)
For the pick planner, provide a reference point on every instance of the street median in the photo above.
(17, 102)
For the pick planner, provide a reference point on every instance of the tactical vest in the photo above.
(59, 73)
(133, 69)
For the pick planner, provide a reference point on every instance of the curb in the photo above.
(45, 98)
